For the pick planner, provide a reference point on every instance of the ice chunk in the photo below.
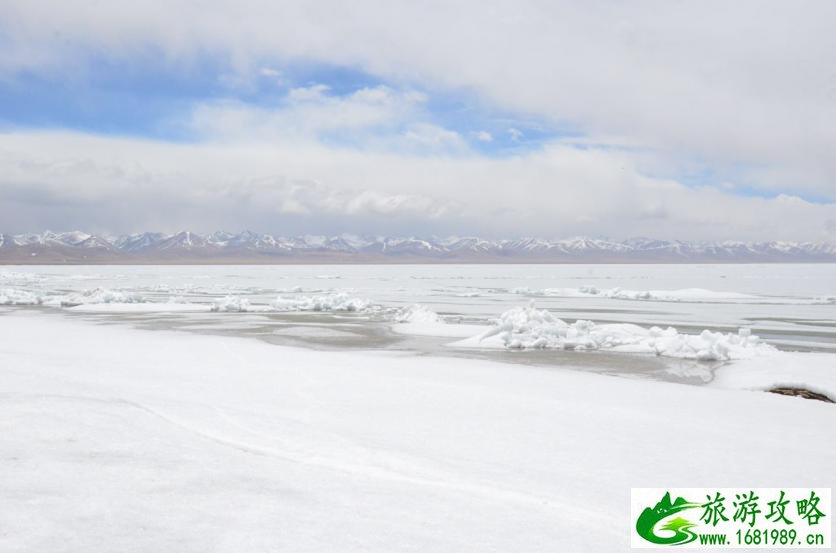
(338, 301)
(234, 304)
(417, 313)
(100, 295)
(531, 328)
(10, 296)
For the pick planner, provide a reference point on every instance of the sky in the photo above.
(682, 120)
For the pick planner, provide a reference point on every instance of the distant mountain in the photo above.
(251, 247)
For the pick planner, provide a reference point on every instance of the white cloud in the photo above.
(379, 118)
(306, 113)
(428, 137)
(745, 88)
(95, 182)
(747, 82)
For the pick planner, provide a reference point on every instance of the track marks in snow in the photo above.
(376, 464)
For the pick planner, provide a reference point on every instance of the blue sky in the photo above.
(140, 98)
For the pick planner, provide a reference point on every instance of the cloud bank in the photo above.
(694, 120)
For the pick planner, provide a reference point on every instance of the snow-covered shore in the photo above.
(161, 441)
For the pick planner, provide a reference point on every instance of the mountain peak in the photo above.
(252, 247)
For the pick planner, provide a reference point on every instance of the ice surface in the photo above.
(684, 295)
(129, 440)
(147, 307)
(787, 305)
(313, 332)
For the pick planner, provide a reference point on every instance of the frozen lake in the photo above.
(791, 307)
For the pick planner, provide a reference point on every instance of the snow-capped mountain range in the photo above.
(251, 247)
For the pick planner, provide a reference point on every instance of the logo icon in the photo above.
(664, 509)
